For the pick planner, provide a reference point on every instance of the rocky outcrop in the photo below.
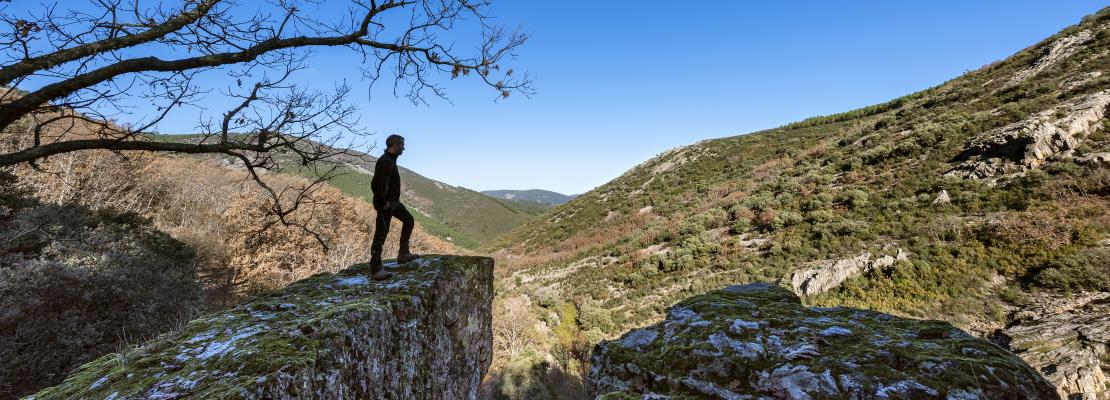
(943, 198)
(1023, 145)
(758, 341)
(1080, 80)
(828, 274)
(424, 334)
(1065, 337)
(1051, 54)
(1095, 160)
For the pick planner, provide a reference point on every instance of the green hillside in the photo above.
(468, 218)
(465, 217)
(994, 184)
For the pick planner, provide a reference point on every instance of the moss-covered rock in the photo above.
(758, 341)
(423, 334)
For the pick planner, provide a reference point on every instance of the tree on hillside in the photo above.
(104, 74)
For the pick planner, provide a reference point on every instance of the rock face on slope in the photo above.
(828, 274)
(424, 334)
(1053, 53)
(758, 341)
(1066, 338)
(1023, 145)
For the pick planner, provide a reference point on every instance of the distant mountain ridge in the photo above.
(534, 195)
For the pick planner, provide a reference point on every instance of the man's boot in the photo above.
(381, 275)
(376, 271)
(407, 257)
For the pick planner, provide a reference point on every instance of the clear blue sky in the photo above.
(621, 81)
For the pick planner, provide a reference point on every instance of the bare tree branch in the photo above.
(74, 80)
(32, 64)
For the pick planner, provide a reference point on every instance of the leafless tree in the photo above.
(514, 329)
(103, 75)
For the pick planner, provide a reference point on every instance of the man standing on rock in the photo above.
(386, 186)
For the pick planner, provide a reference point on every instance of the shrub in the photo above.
(692, 227)
(567, 330)
(648, 268)
(850, 227)
(876, 154)
(821, 216)
(591, 316)
(522, 379)
(740, 226)
(686, 261)
(715, 217)
(854, 199)
(1088, 269)
(1064, 168)
(785, 219)
(760, 201)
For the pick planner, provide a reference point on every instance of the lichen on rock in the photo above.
(424, 334)
(758, 341)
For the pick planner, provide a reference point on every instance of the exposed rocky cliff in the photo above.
(424, 334)
(1066, 338)
(822, 276)
(758, 341)
(1023, 145)
(1052, 54)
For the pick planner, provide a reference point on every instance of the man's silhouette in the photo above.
(386, 185)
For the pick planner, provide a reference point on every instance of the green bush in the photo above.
(785, 219)
(876, 154)
(714, 217)
(691, 227)
(740, 226)
(760, 201)
(524, 378)
(1064, 168)
(821, 216)
(1088, 269)
(854, 199)
(593, 317)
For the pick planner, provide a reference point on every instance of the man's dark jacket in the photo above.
(386, 183)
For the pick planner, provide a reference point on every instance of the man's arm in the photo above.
(383, 174)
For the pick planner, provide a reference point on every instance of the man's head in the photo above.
(395, 145)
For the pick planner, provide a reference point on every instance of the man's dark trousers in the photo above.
(381, 228)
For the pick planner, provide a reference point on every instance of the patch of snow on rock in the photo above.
(353, 281)
(220, 348)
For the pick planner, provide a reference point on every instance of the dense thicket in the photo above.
(76, 284)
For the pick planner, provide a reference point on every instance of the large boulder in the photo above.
(424, 334)
(758, 341)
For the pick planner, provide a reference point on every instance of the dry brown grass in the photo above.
(217, 211)
(771, 168)
(1052, 228)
